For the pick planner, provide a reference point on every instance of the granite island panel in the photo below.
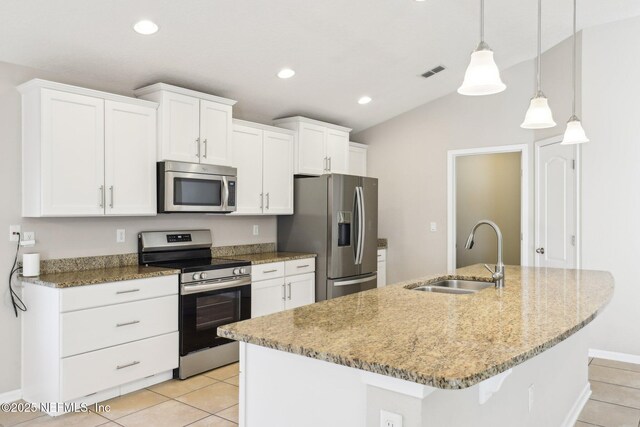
(410, 335)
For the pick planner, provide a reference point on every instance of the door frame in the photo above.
(578, 153)
(452, 155)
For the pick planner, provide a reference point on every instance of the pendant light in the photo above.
(574, 134)
(539, 114)
(482, 76)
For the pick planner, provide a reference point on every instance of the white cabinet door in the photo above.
(357, 160)
(267, 297)
(337, 151)
(311, 149)
(72, 154)
(130, 153)
(215, 133)
(278, 173)
(382, 268)
(247, 155)
(180, 128)
(301, 290)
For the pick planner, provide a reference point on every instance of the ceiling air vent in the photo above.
(433, 71)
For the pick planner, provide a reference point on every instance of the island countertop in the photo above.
(440, 340)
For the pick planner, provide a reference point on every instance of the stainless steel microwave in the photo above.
(194, 187)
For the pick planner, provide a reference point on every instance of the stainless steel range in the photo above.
(213, 292)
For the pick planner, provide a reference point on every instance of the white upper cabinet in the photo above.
(83, 149)
(320, 147)
(357, 159)
(192, 126)
(130, 154)
(263, 156)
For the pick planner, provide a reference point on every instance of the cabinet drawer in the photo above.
(299, 266)
(267, 271)
(99, 370)
(382, 255)
(82, 297)
(117, 324)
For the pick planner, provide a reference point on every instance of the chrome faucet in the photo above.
(497, 274)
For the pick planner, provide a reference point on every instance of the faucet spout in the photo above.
(498, 273)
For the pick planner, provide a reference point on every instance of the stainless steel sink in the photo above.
(454, 286)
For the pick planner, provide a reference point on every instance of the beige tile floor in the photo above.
(211, 399)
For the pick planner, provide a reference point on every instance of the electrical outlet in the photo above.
(530, 397)
(28, 236)
(256, 230)
(120, 235)
(13, 230)
(389, 419)
(434, 226)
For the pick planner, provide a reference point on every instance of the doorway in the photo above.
(488, 183)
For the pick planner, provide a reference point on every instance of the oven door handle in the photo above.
(200, 287)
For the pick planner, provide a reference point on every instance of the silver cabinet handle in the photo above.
(303, 266)
(270, 271)
(329, 168)
(128, 291)
(111, 191)
(101, 200)
(268, 198)
(133, 322)
(289, 285)
(284, 292)
(205, 148)
(261, 200)
(540, 251)
(198, 147)
(134, 363)
(325, 164)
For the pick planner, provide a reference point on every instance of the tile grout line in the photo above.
(183, 394)
(617, 385)
(614, 367)
(615, 404)
(136, 411)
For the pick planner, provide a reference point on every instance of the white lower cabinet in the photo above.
(290, 284)
(88, 343)
(382, 268)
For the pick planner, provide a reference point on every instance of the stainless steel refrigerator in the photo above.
(336, 217)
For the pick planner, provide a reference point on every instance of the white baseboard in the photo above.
(10, 396)
(574, 413)
(612, 355)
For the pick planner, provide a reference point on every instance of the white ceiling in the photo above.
(340, 49)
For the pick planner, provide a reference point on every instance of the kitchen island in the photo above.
(515, 356)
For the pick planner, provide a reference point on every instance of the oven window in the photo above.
(197, 192)
(217, 310)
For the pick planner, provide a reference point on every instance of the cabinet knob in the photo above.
(540, 251)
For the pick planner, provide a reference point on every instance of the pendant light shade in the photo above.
(574, 134)
(482, 76)
(539, 115)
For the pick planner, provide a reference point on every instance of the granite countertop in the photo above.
(100, 275)
(267, 257)
(440, 340)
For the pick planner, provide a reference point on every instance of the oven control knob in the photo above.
(203, 276)
(243, 270)
(197, 276)
(236, 271)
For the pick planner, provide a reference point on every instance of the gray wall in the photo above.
(66, 237)
(488, 187)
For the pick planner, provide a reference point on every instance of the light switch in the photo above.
(256, 230)
(434, 226)
(120, 235)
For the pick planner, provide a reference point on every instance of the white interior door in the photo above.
(130, 153)
(247, 154)
(278, 173)
(72, 154)
(215, 133)
(556, 206)
(180, 128)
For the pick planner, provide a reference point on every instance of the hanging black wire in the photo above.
(18, 304)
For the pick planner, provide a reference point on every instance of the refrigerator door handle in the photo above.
(359, 228)
(356, 281)
(363, 229)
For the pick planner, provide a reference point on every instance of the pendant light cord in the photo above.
(481, 21)
(539, 65)
(574, 59)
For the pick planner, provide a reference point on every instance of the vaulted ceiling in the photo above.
(340, 49)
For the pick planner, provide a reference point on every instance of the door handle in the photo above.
(128, 365)
(268, 200)
(325, 164)
(133, 322)
(198, 147)
(289, 285)
(356, 281)
(111, 191)
(261, 200)
(540, 251)
(101, 200)
(329, 168)
(205, 148)
(127, 291)
(284, 292)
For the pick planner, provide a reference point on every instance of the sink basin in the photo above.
(453, 286)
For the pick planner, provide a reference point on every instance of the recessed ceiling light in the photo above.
(286, 73)
(145, 27)
(364, 100)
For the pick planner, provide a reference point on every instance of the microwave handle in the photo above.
(225, 190)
